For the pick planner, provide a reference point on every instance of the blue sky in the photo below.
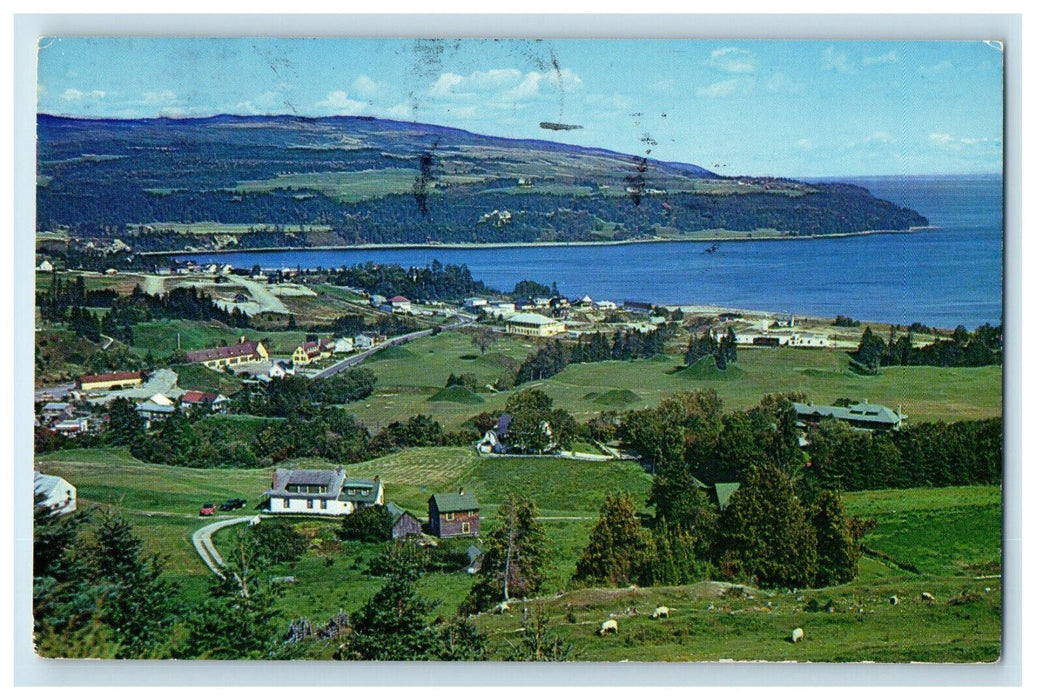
(782, 108)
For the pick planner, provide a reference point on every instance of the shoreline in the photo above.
(737, 237)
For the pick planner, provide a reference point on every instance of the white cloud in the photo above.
(724, 88)
(365, 86)
(957, 143)
(72, 95)
(666, 87)
(780, 82)
(338, 101)
(614, 101)
(446, 85)
(503, 84)
(836, 60)
(889, 57)
(936, 69)
(880, 137)
(803, 144)
(731, 60)
(155, 97)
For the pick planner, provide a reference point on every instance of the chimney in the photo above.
(242, 339)
(275, 479)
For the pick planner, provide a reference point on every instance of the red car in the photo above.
(207, 509)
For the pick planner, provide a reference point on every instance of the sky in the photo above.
(783, 108)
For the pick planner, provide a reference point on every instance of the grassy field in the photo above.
(949, 535)
(345, 186)
(408, 376)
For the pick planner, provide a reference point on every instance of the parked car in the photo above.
(207, 509)
(232, 504)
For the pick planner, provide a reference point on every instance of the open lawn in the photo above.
(408, 376)
(345, 186)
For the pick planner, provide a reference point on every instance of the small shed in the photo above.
(724, 491)
(403, 523)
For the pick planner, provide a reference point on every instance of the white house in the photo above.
(475, 303)
(401, 304)
(363, 341)
(809, 340)
(377, 300)
(606, 305)
(45, 266)
(321, 492)
(281, 368)
(534, 325)
(55, 493)
(343, 345)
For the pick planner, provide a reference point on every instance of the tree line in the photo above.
(630, 344)
(978, 348)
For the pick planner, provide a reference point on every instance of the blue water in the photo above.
(945, 277)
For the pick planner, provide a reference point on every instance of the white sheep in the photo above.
(926, 597)
(893, 600)
(797, 635)
(661, 611)
(609, 626)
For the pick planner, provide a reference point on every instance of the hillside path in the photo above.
(201, 540)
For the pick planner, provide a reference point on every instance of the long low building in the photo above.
(113, 380)
(534, 325)
(229, 355)
(861, 416)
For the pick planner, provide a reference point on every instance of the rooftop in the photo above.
(248, 347)
(532, 319)
(454, 502)
(864, 411)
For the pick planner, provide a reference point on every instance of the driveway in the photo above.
(203, 542)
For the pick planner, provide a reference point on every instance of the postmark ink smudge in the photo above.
(636, 181)
(555, 126)
(423, 181)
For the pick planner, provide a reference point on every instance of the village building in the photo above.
(403, 523)
(45, 266)
(861, 416)
(56, 410)
(536, 325)
(204, 401)
(71, 426)
(230, 355)
(400, 304)
(321, 492)
(809, 340)
(364, 342)
(280, 369)
(605, 305)
(377, 300)
(343, 345)
(53, 493)
(157, 408)
(452, 515)
(112, 380)
(312, 351)
(495, 440)
(474, 303)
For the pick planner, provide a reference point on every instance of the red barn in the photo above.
(453, 515)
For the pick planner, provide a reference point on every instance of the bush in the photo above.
(367, 525)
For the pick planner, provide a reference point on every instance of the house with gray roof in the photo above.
(54, 493)
(403, 523)
(860, 416)
(453, 515)
(321, 492)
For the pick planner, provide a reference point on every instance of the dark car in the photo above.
(207, 509)
(233, 504)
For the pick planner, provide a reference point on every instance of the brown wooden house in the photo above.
(453, 515)
(404, 523)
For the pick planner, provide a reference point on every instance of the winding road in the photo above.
(201, 540)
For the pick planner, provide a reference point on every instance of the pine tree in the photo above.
(837, 552)
(126, 426)
(764, 532)
(393, 625)
(513, 563)
(617, 547)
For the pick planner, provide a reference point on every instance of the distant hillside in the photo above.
(297, 182)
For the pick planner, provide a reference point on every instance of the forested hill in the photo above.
(296, 182)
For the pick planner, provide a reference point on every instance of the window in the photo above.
(286, 503)
(322, 504)
(466, 528)
(449, 516)
(311, 503)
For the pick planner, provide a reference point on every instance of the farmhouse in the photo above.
(452, 515)
(71, 426)
(321, 492)
(364, 342)
(403, 523)
(401, 304)
(54, 493)
(313, 350)
(204, 401)
(861, 416)
(45, 266)
(534, 325)
(475, 303)
(156, 409)
(494, 441)
(56, 410)
(343, 345)
(113, 380)
(216, 358)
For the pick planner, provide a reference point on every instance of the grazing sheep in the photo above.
(988, 590)
(926, 597)
(609, 626)
(661, 611)
(797, 635)
(893, 600)
(501, 608)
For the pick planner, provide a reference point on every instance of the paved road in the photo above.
(259, 291)
(201, 540)
(397, 340)
(53, 393)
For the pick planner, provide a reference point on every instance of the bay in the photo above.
(943, 277)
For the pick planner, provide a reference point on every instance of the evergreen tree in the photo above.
(618, 545)
(538, 642)
(515, 556)
(126, 426)
(393, 625)
(838, 553)
(764, 532)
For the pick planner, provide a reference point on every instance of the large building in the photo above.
(230, 355)
(313, 350)
(113, 380)
(535, 325)
(861, 416)
(321, 492)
